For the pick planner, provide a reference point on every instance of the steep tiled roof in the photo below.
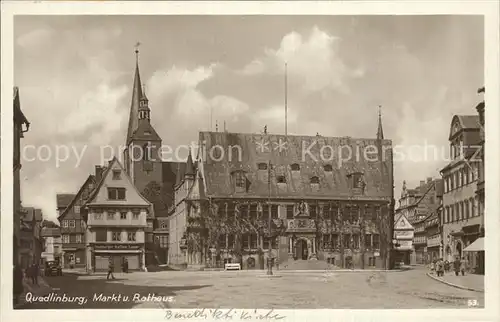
(90, 179)
(30, 212)
(18, 113)
(469, 121)
(256, 149)
(51, 232)
(64, 199)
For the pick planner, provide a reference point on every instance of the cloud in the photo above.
(313, 61)
(34, 38)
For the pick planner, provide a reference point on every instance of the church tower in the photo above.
(142, 156)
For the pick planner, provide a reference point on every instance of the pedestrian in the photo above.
(440, 267)
(463, 266)
(432, 267)
(456, 265)
(111, 268)
(36, 272)
(18, 283)
(125, 265)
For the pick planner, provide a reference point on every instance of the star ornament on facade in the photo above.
(262, 146)
(281, 145)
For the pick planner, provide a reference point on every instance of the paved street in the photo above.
(335, 290)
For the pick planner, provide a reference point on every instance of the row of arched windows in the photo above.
(294, 167)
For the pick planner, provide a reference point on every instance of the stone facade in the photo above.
(21, 126)
(462, 217)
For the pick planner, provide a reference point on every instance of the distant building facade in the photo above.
(116, 221)
(21, 126)
(416, 205)
(52, 250)
(404, 233)
(73, 226)
(462, 216)
(480, 185)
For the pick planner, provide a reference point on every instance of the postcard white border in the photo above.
(490, 9)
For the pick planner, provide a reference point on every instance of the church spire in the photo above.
(136, 98)
(189, 166)
(380, 131)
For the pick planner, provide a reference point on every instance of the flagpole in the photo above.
(286, 100)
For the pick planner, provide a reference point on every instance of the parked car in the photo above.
(52, 268)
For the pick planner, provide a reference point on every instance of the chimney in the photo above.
(422, 182)
(98, 173)
(429, 179)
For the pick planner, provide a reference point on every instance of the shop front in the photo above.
(102, 254)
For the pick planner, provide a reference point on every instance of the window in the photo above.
(91, 186)
(98, 216)
(355, 241)
(131, 236)
(357, 180)
(245, 241)
(71, 224)
(280, 179)
(146, 151)
(347, 241)
(457, 211)
(289, 212)
(101, 235)
(77, 209)
(117, 174)
(65, 239)
(274, 211)
(240, 181)
(230, 241)
(147, 133)
(150, 224)
(314, 180)
(123, 215)
(164, 241)
(462, 211)
(253, 212)
(253, 241)
(222, 241)
(376, 241)
(313, 211)
(135, 215)
(116, 235)
(295, 167)
(368, 240)
(116, 193)
(163, 225)
(262, 166)
(328, 168)
(78, 238)
(65, 224)
(111, 215)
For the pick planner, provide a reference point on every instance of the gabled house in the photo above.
(403, 234)
(116, 218)
(73, 226)
(52, 250)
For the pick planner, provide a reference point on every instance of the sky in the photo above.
(75, 75)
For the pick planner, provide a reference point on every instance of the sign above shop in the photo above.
(117, 246)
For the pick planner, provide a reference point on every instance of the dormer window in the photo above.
(328, 168)
(281, 179)
(117, 174)
(240, 181)
(147, 133)
(262, 166)
(357, 180)
(295, 167)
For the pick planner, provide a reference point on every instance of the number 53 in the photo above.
(472, 303)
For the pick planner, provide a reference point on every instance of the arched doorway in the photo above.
(459, 250)
(301, 251)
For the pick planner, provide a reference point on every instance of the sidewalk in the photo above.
(471, 282)
(42, 289)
